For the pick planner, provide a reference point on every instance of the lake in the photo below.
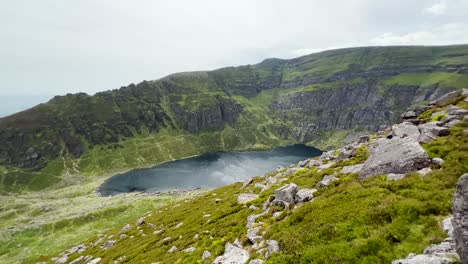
(206, 171)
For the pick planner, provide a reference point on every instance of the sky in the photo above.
(54, 47)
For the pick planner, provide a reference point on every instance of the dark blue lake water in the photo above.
(206, 171)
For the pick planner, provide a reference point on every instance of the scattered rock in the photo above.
(166, 240)
(430, 131)
(189, 250)
(108, 244)
(352, 169)
(424, 171)
(179, 225)
(233, 255)
(94, 261)
(246, 197)
(326, 181)
(206, 254)
(460, 218)
(423, 259)
(304, 195)
(287, 193)
(272, 247)
(61, 260)
(326, 166)
(438, 161)
(172, 249)
(196, 236)
(393, 176)
(126, 228)
(252, 235)
(247, 182)
(444, 100)
(396, 155)
(140, 221)
(157, 232)
(409, 115)
(150, 225)
(405, 129)
(277, 214)
(217, 200)
(77, 260)
(314, 163)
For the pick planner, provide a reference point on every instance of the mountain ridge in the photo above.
(272, 103)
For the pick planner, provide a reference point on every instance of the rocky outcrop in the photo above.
(460, 218)
(396, 155)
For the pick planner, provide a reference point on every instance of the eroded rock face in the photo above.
(460, 218)
(396, 155)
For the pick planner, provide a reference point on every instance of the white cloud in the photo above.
(437, 9)
(451, 33)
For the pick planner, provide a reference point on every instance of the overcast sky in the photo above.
(59, 46)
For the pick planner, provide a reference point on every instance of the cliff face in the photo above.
(270, 103)
(350, 106)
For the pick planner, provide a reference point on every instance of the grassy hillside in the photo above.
(350, 221)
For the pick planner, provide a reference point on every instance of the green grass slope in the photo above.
(350, 221)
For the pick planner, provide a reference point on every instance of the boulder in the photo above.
(94, 261)
(326, 166)
(189, 250)
(252, 234)
(246, 197)
(396, 155)
(314, 163)
(409, 115)
(286, 193)
(206, 254)
(444, 100)
(424, 259)
(172, 249)
(272, 247)
(304, 195)
(352, 169)
(430, 131)
(140, 221)
(61, 260)
(460, 218)
(256, 261)
(326, 181)
(247, 182)
(438, 161)
(405, 129)
(108, 244)
(394, 176)
(233, 255)
(125, 228)
(77, 260)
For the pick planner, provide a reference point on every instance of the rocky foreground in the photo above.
(395, 154)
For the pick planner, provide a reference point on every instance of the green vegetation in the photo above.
(426, 79)
(350, 221)
(48, 222)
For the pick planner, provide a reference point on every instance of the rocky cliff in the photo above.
(326, 95)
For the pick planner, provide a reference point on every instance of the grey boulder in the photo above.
(396, 155)
(287, 193)
(233, 255)
(304, 195)
(460, 218)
